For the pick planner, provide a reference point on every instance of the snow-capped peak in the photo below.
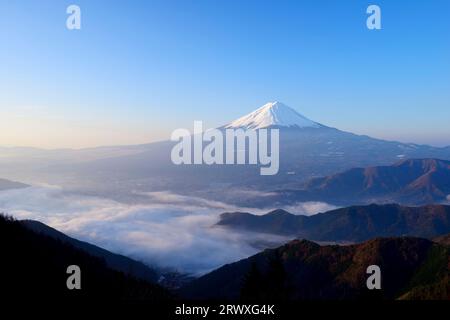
(273, 114)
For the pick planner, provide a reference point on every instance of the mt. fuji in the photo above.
(273, 114)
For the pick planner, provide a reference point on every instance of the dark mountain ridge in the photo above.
(351, 224)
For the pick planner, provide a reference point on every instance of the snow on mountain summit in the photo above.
(273, 114)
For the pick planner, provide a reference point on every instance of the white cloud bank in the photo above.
(309, 208)
(174, 231)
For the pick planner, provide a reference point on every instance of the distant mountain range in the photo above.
(412, 181)
(411, 268)
(6, 185)
(351, 224)
(34, 268)
(308, 149)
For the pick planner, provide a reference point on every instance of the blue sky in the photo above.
(139, 69)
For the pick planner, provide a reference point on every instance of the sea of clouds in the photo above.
(173, 231)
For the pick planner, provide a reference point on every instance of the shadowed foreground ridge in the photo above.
(112, 260)
(34, 268)
(412, 268)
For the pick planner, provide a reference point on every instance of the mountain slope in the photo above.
(352, 224)
(34, 268)
(114, 261)
(306, 270)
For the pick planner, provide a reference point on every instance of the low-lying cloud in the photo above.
(174, 231)
(309, 208)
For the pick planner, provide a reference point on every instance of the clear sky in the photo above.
(139, 69)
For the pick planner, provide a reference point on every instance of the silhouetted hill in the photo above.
(305, 270)
(354, 224)
(33, 267)
(114, 261)
(413, 182)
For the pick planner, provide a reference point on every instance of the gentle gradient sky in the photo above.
(139, 69)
